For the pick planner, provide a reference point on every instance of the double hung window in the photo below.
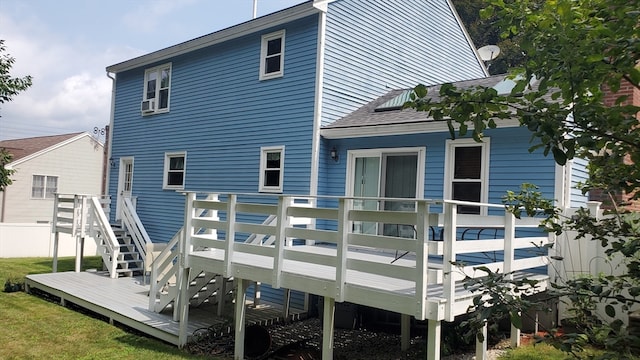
(174, 170)
(271, 169)
(157, 86)
(467, 173)
(272, 55)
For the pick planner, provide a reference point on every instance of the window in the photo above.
(174, 170)
(272, 55)
(44, 187)
(467, 171)
(157, 83)
(271, 168)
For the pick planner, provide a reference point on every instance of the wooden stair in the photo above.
(129, 260)
(204, 287)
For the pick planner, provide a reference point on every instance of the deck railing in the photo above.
(429, 261)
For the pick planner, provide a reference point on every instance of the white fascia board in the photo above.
(399, 129)
(50, 148)
(234, 32)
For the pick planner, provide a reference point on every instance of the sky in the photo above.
(65, 45)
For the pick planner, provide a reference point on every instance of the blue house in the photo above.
(307, 101)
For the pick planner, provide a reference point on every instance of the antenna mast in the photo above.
(255, 8)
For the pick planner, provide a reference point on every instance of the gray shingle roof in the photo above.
(368, 116)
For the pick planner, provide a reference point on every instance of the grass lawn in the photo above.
(33, 328)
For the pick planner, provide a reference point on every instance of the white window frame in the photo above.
(263, 168)
(158, 71)
(449, 160)
(45, 179)
(263, 55)
(165, 173)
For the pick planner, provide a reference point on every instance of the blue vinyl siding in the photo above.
(376, 45)
(220, 115)
(579, 174)
(510, 164)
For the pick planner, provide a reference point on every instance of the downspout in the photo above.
(317, 116)
(110, 131)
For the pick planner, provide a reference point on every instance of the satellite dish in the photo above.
(489, 52)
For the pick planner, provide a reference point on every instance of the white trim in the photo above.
(158, 71)
(422, 127)
(562, 184)
(167, 158)
(263, 161)
(121, 174)
(50, 148)
(264, 45)
(317, 106)
(484, 171)
(379, 152)
(234, 32)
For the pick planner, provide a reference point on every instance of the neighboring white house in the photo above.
(68, 163)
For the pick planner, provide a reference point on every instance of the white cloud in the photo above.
(150, 17)
(70, 90)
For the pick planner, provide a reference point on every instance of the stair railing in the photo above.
(134, 228)
(165, 266)
(100, 229)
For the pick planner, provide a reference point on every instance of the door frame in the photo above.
(121, 180)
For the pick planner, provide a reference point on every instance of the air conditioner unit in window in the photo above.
(148, 106)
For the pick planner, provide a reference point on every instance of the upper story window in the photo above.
(271, 168)
(467, 173)
(174, 170)
(157, 86)
(272, 55)
(44, 187)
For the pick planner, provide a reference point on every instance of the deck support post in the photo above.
(222, 291)
(433, 340)
(405, 331)
(515, 337)
(79, 251)
(183, 306)
(241, 298)
(56, 241)
(286, 305)
(481, 346)
(328, 319)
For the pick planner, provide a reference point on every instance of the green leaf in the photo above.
(516, 319)
(610, 310)
(420, 90)
(559, 156)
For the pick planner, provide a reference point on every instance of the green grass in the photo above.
(34, 328)
(535, 352)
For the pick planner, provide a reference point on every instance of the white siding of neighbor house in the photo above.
(78, 166)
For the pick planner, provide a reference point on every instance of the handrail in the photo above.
(99, 223)
(134, 227)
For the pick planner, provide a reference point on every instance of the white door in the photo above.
(125, 183)
(390, 173)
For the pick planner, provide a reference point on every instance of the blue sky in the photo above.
(67, 44)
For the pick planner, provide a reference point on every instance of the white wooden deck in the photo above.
(124, 300)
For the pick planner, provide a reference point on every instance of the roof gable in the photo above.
(21, 149)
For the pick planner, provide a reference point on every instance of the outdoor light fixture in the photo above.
(112, 162)
(334, 154)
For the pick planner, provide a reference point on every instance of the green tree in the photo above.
(485, 31)
(9, 87)
(574, 53)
